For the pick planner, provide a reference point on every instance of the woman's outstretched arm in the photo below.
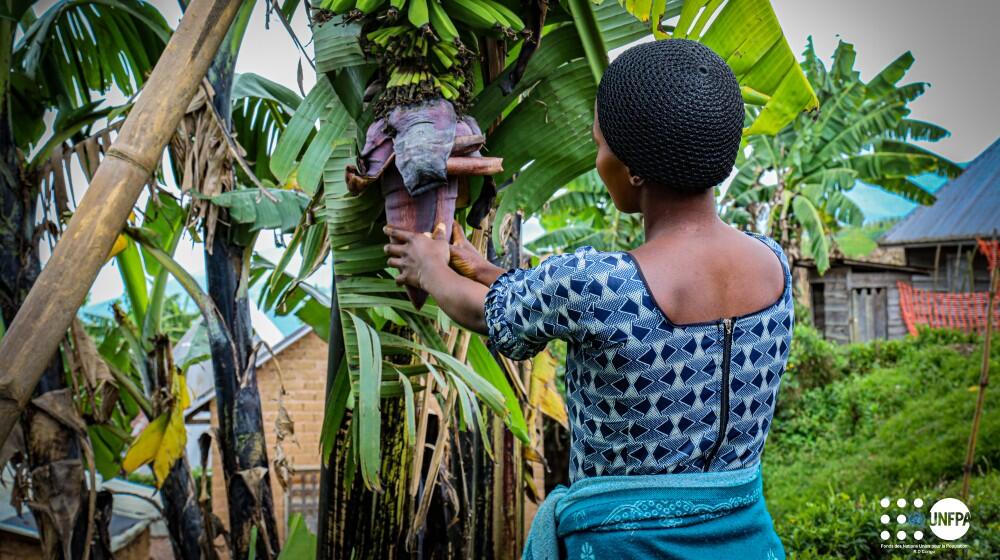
(423, 262)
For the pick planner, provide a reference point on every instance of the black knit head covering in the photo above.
(672, 112)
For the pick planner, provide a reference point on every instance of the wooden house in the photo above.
(934, 249)
(941, 238)
(858, 299)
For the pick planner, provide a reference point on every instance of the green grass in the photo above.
(856, 423)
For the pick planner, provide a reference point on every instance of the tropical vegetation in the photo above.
(423, 111)
(417, 91)
(860, 422)
(793, 186)
(52, 69)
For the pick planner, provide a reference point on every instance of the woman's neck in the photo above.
(666, 212)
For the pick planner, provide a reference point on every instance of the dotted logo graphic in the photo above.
(949, 519)
(913, 518)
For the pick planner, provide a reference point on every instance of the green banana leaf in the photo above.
(811, 222)
(263, 208)
(336, 46)
(747, 35)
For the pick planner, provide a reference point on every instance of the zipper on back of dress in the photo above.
(727, 348)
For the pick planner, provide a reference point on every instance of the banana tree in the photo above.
(134, 349)
(794, 185)
(396, 81)
(51, 66)
(139, 348)
(244, 457)
(129, 353)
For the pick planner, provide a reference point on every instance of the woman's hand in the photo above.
(419, 257)
(467, 261)
(422, 260)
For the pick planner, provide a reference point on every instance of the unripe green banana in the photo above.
(441, 22)
(446, 61)
(471, 13)
(368, 6)
(417, 13)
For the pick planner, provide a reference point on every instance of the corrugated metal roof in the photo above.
(967, 207)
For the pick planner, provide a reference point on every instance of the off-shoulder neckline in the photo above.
(646, 286)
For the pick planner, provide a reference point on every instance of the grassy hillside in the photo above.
(859, 422)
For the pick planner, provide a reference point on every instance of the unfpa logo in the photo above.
(949, 519)
(914, 518)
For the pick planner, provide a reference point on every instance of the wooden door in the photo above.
(869, 313)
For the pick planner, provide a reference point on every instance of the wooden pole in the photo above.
(984, 376)
(41, 323)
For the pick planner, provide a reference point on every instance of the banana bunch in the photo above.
(418, 64)
(405, 82)
(484, 15)
(418, 43)
(440, 16)
(404, 43)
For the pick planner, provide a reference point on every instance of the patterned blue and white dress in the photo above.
(645, 395)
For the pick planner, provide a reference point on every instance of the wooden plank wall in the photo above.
(856, 304)
(850, 296)
(953, 268)
(836, 303)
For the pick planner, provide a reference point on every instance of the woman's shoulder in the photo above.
(782, 258)
(772, 244)
(582, 258)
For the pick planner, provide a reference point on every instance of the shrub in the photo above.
(862, 421)
(837, 526)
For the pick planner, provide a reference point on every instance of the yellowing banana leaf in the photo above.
(162, 442)
(143, 449)
(171, 446)
(543, 392)
(747, 35)
(182, 397)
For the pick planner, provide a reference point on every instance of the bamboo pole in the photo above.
(984, 375)
(40, 325)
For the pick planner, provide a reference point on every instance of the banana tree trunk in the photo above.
(355, 522)
(181, 511)
(241, 423)
(183, 516)
(52, 448)
(328, 524)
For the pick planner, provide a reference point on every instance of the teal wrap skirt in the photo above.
(670, 516)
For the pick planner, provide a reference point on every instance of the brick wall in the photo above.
(303, 371)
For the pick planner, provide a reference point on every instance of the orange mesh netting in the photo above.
(992, 251)
(965, 311)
